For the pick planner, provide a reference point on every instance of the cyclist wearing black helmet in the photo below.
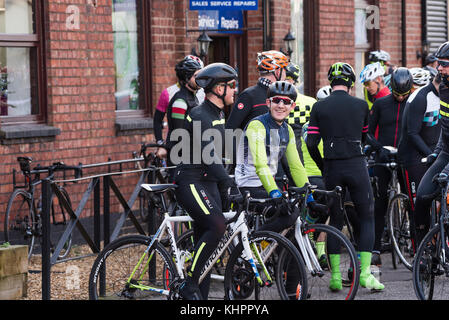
(267, 139)
(431, 65)
(386, 119)
(183, 100)
(341, 120)
(203, 183)
(440, 159)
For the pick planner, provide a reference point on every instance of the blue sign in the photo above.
(223, 5)
(226, 21)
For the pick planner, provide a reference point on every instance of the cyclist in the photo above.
(383, 58)
(385, 118)
(440, 157)
(372, 78)
(323, 92)
(420, 132)
(431, 65)
(164, 100)
(303, 105)
(421, 78)
(252, 101)
(203, 183)
(341, 120)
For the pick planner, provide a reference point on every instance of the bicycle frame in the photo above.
(251, 252)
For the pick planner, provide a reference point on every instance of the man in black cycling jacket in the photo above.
(386, 118)
(420, 132)
(203, 184)
(341, 121)
(440, 158)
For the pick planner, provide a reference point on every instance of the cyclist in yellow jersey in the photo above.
(301, 113)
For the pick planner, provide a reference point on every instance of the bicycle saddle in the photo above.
(158, 187)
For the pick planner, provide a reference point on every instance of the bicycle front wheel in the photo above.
(319, 280)
(285, 277)
(400, 229)
(124, 270)
(430, 270)
(20, 223)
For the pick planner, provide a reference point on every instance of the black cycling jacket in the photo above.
(195, 166)
(341, 120)
(420, 125)
(386, 114)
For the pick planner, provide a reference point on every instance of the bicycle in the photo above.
(123, 268)
(431, 263)
(23, 221)
(312, 240)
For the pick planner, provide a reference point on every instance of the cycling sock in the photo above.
(310, 219)
(367, 280)
(335, 283)
(320, 248)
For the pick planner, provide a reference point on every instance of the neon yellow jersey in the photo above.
(310, 165)
(301, 113)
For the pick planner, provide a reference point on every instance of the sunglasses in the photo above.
(277, 100)
(443, 63)
(231, 85)
(401, 94)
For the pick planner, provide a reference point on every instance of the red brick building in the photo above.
(80, 79)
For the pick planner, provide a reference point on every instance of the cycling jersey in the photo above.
(250, 104)
(387, 115)
(382, 93)
(261, 148)
(342, 123)
(162, 104)
(420, 125)
(179, 107)
(301, 113)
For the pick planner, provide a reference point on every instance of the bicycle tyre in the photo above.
(399, 227)
(349, 266)
(240, 282)
(20, 222)
(59, 210)
(117, 261)
(430, 281)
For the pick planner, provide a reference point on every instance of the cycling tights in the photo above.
(352, 175)
(202, 201)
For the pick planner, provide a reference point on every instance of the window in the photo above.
(132, 56)
(22, 84)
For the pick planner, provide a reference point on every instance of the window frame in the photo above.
(145, 56)
(35, 40)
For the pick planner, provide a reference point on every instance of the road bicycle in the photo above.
(23, 220)
(140, 267)
(312, 242)
(431, 262)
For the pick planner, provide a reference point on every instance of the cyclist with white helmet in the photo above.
(323, 92)
(372, 79)
(421, 78)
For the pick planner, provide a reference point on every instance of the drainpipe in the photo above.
(266, 25)
(403, 31)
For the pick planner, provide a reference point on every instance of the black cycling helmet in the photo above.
(213, 74)
(401, 80)
(292, 72)
(187, 67)
(430, 59)
(443, 51)
(282, 88)
(341, 72)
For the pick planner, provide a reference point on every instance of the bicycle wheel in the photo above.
(400, 229)
(60, 218)
(430, 272)
(118, 274)
(20, 223)
(284, 264)
(318, 283)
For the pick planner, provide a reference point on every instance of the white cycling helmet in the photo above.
(421, 77)
(371, 72)
(323, 92)
(379, 56)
